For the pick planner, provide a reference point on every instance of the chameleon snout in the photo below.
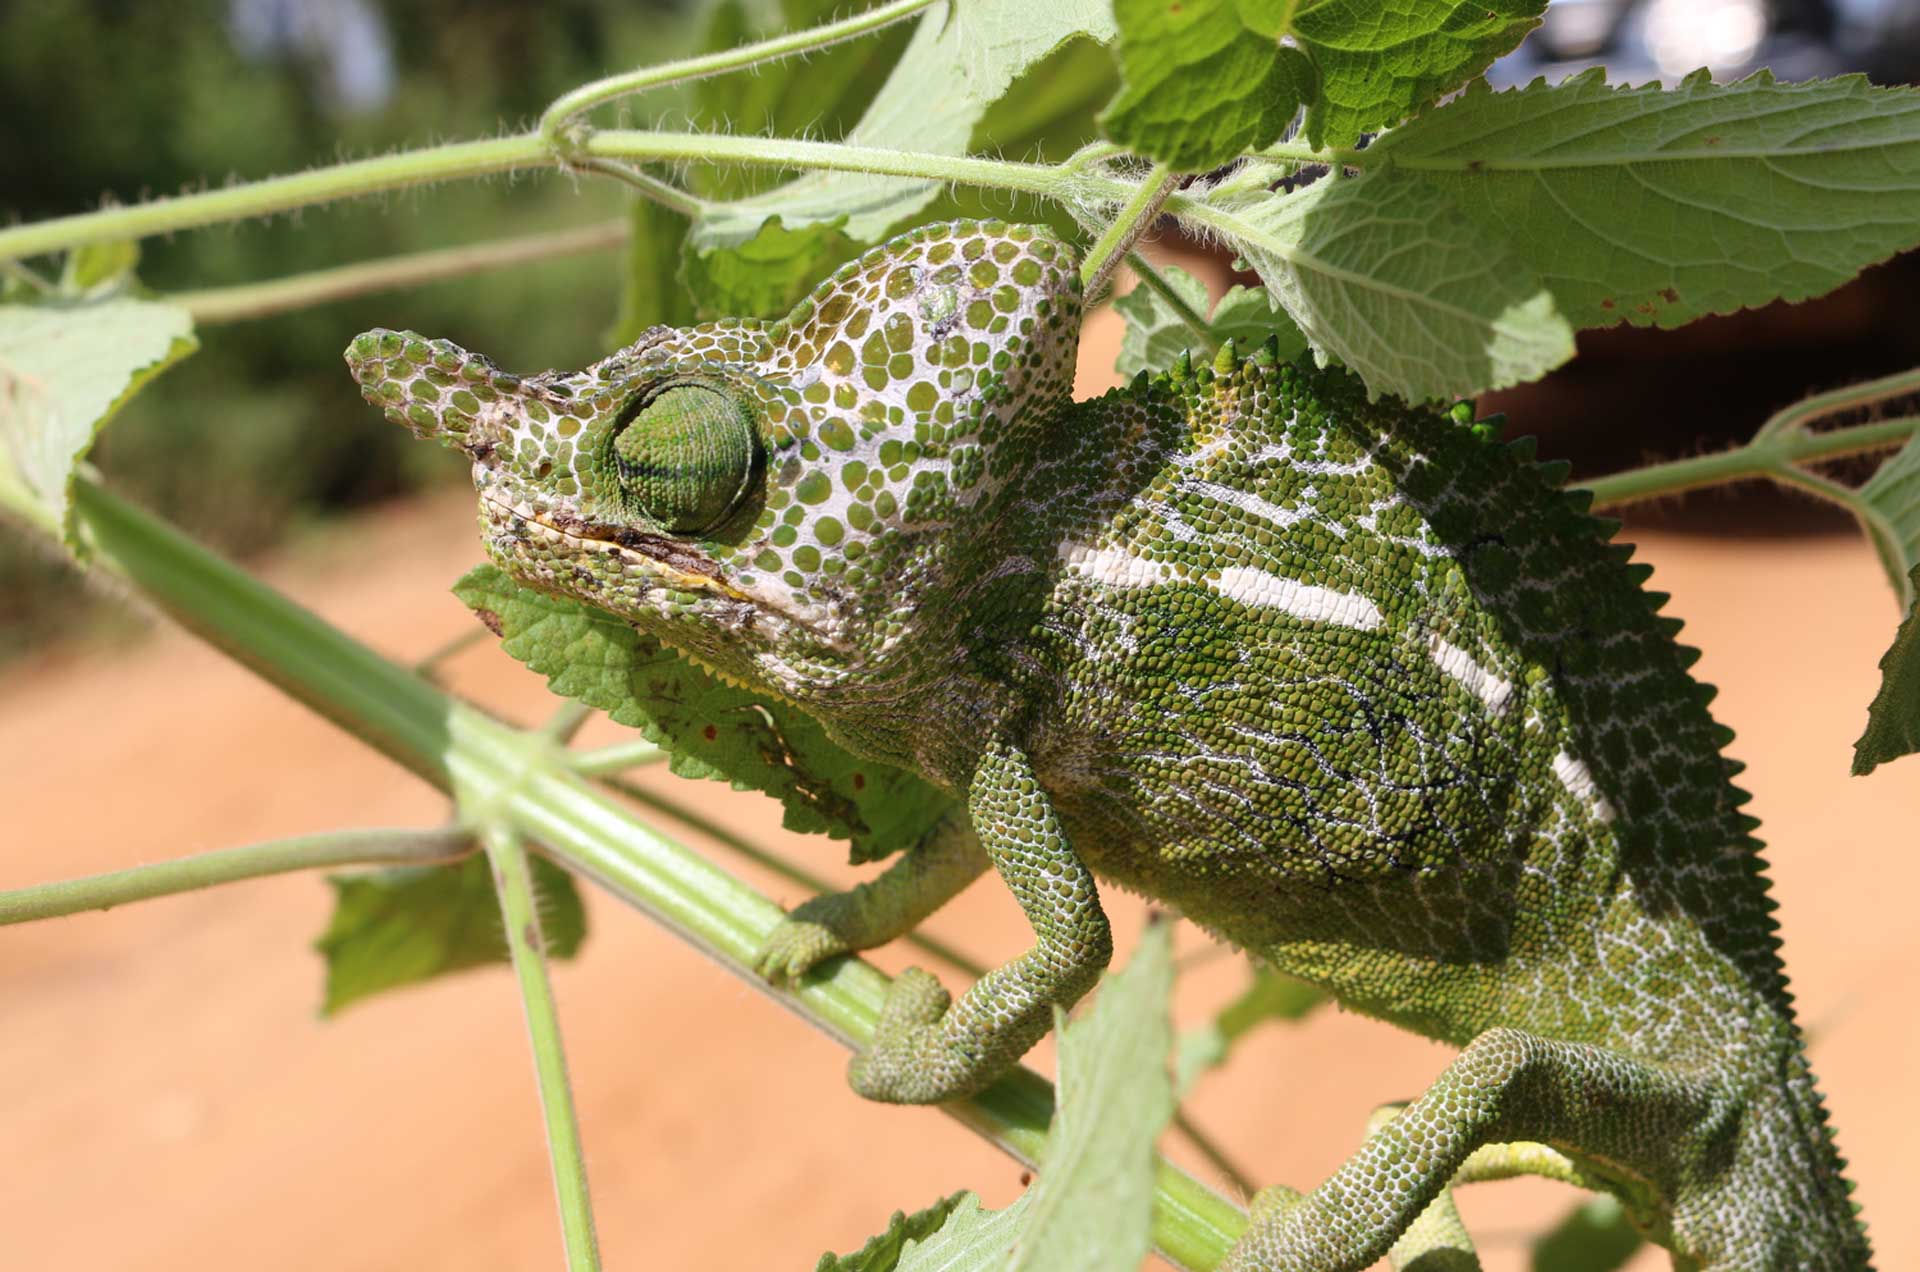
(433, 388)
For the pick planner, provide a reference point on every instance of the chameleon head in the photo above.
(784, 502)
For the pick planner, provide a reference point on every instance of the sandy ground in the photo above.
(172, 1101)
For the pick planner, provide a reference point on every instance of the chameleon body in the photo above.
(1344, 682)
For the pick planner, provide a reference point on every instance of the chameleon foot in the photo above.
(911, 1061)
(805, 939)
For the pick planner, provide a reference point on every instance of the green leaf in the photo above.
(1383, 273)
(764, 276)
(1652, 207)
(1893, 718)
(1201, 88)
(1156, 334)
(64, 370)
(959, 61)
(1595, 1237)
(1093, 1204)
(1273, 995)
(714, 730)
(402, 926)
(882, 1253)
(1379, 63)
(653, 294)
(99, 267)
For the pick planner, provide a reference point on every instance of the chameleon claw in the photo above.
(795, 948)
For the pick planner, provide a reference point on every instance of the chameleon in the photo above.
(1363, 691)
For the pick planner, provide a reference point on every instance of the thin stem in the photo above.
(429, 666)
(213, 305)
(1215, 1155)
(567, 720)
(617, 757)
(1135, 215)
(1770, 454)
(1191, 318)
(513, 882)
(1849, 397)
(231, 865)
(781, 866)
(554, 121)
(665, 193)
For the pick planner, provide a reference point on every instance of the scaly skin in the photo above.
(1349, 686)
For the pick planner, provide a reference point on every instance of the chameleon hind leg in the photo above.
(928, 1048)
(926, 877)
(1508, 1085)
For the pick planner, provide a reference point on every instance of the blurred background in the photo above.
(173, 1103)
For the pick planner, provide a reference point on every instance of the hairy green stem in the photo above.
(213, 305)
(1767, 455)
(231, 865)
(1128, 224)
(513, 882)
(553, 123)
(617, 757)
(524, 782)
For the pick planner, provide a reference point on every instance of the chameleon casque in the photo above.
(1342, 681)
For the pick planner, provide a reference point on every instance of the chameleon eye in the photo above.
(687, 457)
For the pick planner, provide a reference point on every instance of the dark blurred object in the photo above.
(1642, 40)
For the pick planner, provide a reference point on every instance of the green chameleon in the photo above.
(1347, 684)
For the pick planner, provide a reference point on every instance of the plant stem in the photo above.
(1215, 1155)
(523, 781)
(617, 757)
(1135, 215)
(513, 882)
(1195, 321)
(553, 121)
(213, 305)
(230, 865)
(1767, 455)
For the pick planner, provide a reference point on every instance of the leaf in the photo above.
(1093, 1204)
(653, 294)
(410, 924)
(99, 267)
(764, 276)
(1385, 274)
(1657, 207)
(64, 370)
(1156, 335)
(1201, 88)
(882, 1253)
(963, 55)
(1273, 995)
(1893, 718)
(1379, 63)
(713, 729)
(1594, 1237)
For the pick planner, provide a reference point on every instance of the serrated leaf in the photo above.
(971, 1240)
(882, 1253)
(1657, 207)
(1379, 63)
(1893, 718)
(65, 368)
(410, 924)
(1156, 335)
(765, 275)
(714, 730)
(1384, 274)
(1201, 88)
(963, 55)
(1595, 1237)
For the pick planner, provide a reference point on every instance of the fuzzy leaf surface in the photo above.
(1652, 207)
(1383, 273)
(412, 923)
(1201, 87)
(765, 275)
(963, 56)
(1156, 335)
(713, 729)
(882, 1253)
(65, 368)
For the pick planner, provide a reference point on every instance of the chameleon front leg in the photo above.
(926, 877)
(1507, 1085)
(926, 1050)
